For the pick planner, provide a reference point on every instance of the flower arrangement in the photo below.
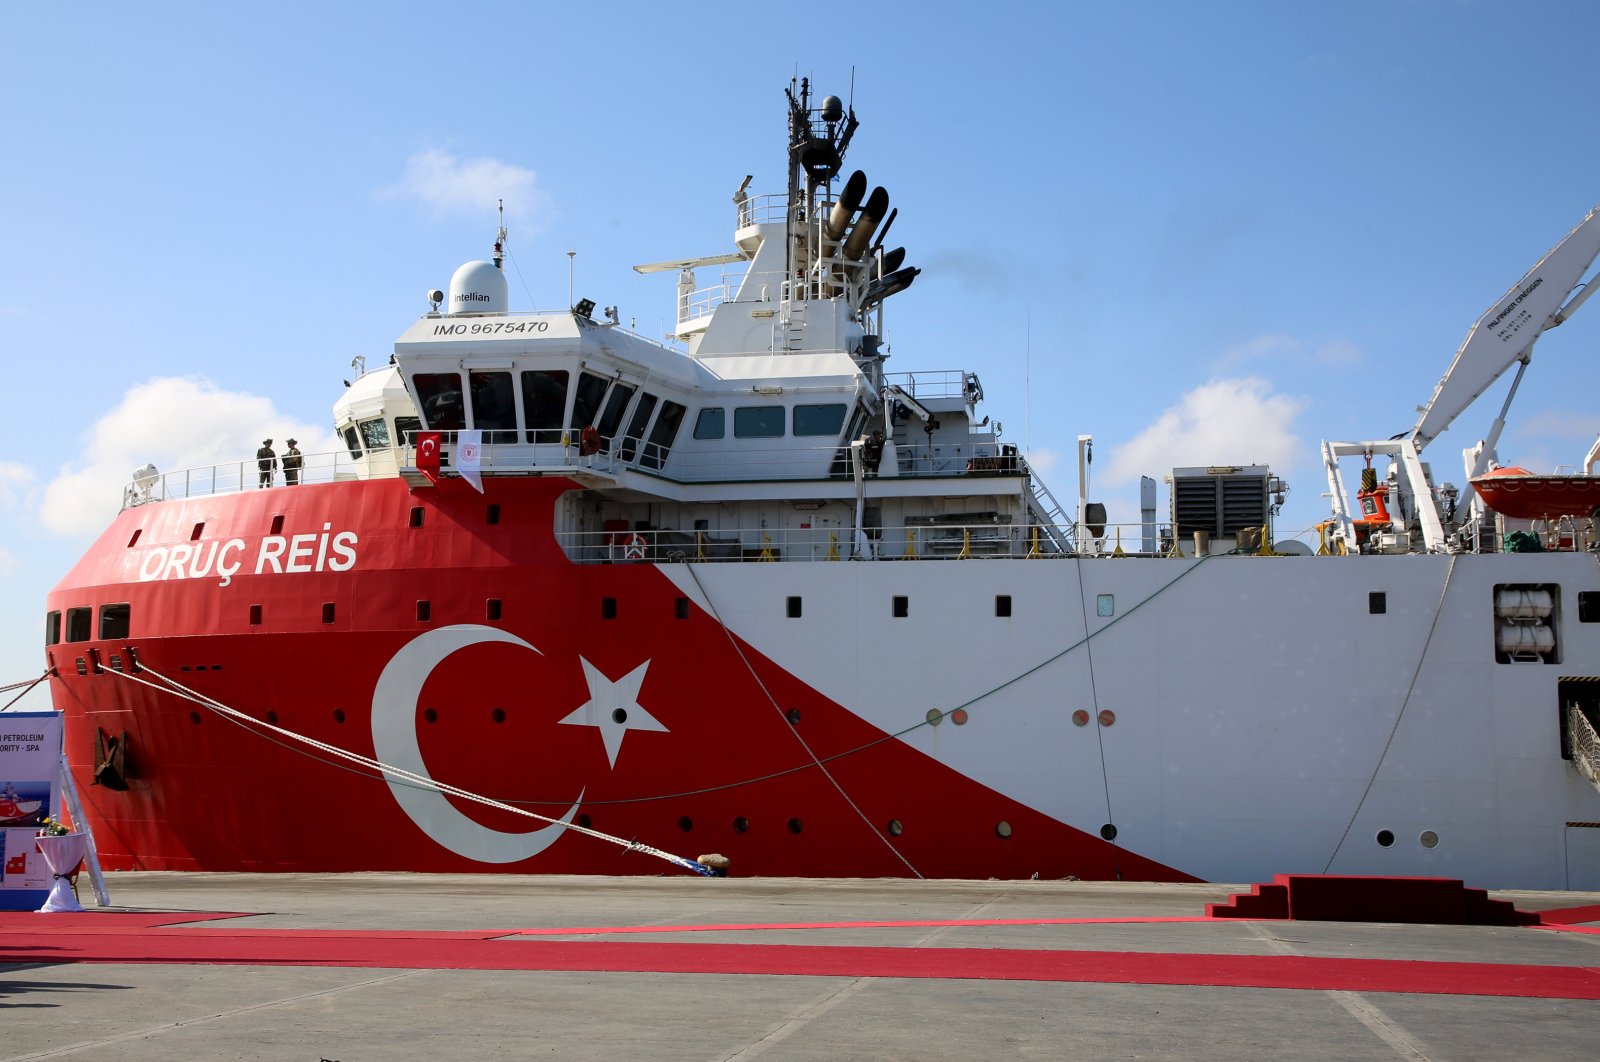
(49, 827)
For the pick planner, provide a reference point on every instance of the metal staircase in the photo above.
(1048, 514)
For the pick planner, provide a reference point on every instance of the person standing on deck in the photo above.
(267, 461)
(291, 464)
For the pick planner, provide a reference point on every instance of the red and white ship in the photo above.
(681, 595)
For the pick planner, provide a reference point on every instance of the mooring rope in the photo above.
(794, 729)
(177, 688)
(25, 686)
(1415, 674)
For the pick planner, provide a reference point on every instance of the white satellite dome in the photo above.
(478, 287)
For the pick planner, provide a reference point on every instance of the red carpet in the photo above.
(107, 937)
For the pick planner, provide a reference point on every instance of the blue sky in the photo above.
(1202, 233)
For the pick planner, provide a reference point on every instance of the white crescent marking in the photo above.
(394, 741)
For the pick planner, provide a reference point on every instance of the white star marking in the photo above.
(613, 707)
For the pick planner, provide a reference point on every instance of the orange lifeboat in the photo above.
(1515, 492)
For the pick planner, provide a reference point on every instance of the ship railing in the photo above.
(937, 383)
(826, 538)
(230, 476)
(502, 454)
(702, 302)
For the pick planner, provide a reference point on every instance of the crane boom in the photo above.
(1506, 332)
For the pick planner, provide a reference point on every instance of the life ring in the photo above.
(634, 550)
(589, 441)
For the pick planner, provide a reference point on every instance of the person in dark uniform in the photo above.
(291, 464)
(872, 452)
(267, 461)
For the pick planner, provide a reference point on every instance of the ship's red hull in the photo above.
(746, 760)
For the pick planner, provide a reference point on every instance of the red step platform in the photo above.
(1357, 898)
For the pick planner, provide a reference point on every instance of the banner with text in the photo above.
(30, 791)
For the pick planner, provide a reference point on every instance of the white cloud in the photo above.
(16, 484)
(8, 562)
(175, 423)
(1226, 421)
(446, 182)
(1043, 459)
(1559, 424)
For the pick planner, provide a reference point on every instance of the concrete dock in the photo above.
(409, 966)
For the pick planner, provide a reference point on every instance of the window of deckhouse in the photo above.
(663, 435)
(611, 419)
(758, 422)
(826, 419)
(374, 433)
(544, 404)
(591, 389)
(352, 441)
(711, 423)
(439, 397)
(406, 428)
(636, 425)
(494, 406)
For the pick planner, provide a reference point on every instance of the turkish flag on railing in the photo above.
(428, 454)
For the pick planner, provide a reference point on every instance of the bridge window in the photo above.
(544, 403)
(711, 423)
(663, 434)
(825, 419)
(494, 406)
(114, 621)
(758, 422)
(591, 389)
(374, 433)
(352, 441)
(78, 621)
(52, 628)
(636, 425)
(611, 419)
(439, 396)
(406, 428)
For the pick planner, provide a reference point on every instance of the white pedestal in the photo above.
(61, 854)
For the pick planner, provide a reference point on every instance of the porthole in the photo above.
(1428, 839)
(619, 715)
(272, 717)
(338, 715)
(498, 715)
(934, 717)
(1385, 838)
(582, 820)
(685, 823)
(895, 828)
(741, 824)
(793, 715)
(795, 825)
(194, 717)
(430, 715)
(1002, 829)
